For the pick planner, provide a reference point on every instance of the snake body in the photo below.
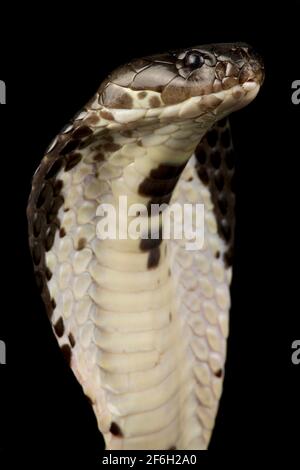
(143, 322)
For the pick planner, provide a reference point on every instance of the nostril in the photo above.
(220, 70)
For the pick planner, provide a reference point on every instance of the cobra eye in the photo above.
(194, 60)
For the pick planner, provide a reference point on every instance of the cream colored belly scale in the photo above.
(149, 343)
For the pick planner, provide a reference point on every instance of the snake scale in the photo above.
(143, 322)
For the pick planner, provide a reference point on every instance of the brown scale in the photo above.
(158, 186)
(62, 233)
(153, 258)
(215, 168)
(66, 350)
(81, 244)
(142, 95)
(115, 429)
(59, 327)
(72, 160)
(161, 181)
(71, 340)
(152, 246)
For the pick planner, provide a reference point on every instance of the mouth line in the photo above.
(251, 84)
(194, 107)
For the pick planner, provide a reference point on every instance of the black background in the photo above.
(51, 68)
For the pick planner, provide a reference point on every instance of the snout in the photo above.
(238, 63)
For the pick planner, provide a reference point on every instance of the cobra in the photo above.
(143, 323)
